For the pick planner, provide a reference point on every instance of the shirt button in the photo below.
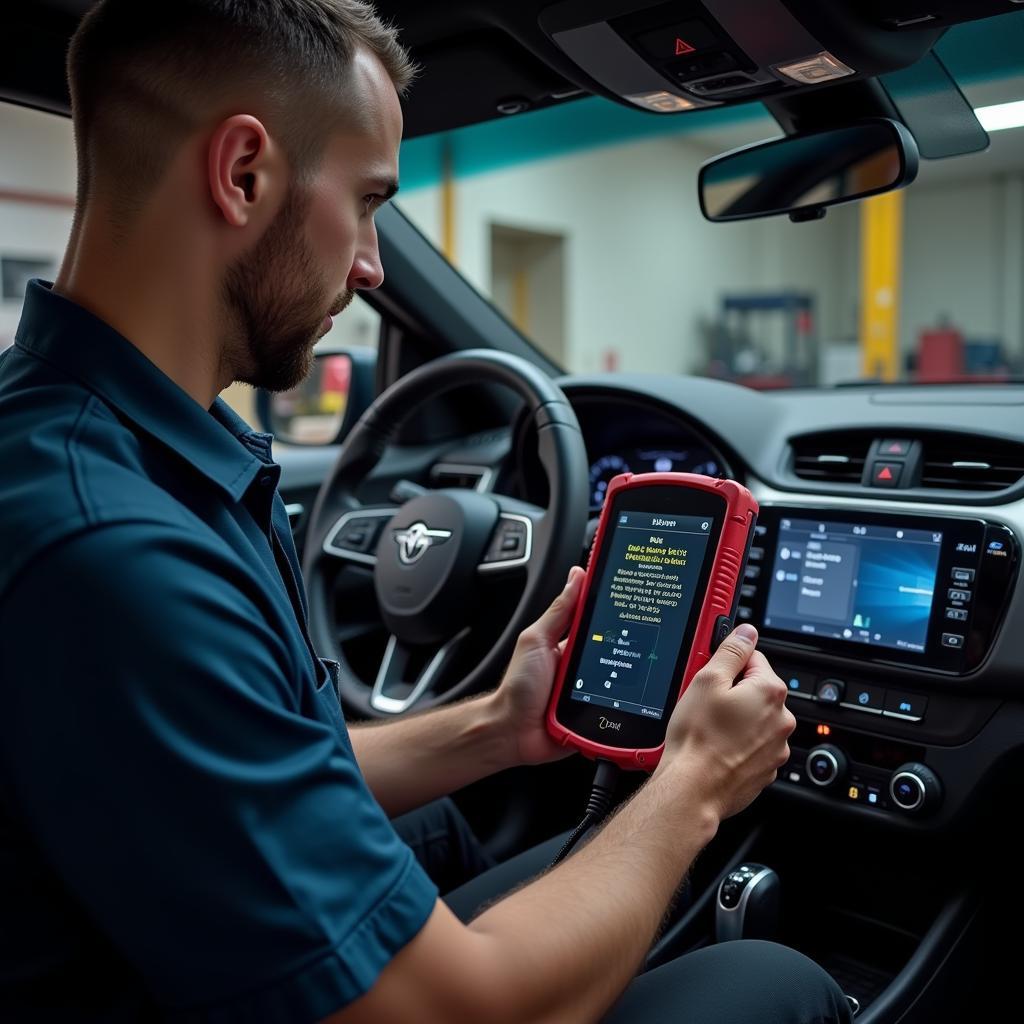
(266, 480)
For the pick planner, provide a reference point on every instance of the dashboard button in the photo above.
(962, 575)
(898, 448)
(801, 684)
(908, 706)
(830, 691)
(748, 590)
(752, 572)
(760, 530)
(744, 613)
(963, 596)
(865, 698)
(886, 474)
(957, 614)
(952, 640)
(756, 554)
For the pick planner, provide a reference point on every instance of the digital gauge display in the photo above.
(648, 460)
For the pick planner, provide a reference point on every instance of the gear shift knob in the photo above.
(748, 904)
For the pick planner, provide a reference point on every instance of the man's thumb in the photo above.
(732, 656)
(555, 621)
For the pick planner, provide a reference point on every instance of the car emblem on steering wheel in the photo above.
(414, 541)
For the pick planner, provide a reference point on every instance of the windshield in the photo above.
(582, 224)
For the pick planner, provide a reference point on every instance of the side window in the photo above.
(37, 202)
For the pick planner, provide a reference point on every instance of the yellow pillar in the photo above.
(881, 250)
(447, 203)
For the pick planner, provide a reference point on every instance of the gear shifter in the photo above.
(748, 904)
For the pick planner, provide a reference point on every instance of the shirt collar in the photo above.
(218, 442)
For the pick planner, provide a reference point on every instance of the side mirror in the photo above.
(321, 409)
(804, 174)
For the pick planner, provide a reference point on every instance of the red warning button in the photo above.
(678, 40)
(886, 474)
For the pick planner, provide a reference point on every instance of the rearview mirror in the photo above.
(322, 407)
(803, 174)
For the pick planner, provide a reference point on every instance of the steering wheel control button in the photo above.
(910, 707)
(956, 595)
(953, 640)
(510, 544)
(800, 684)
(830, 691)
(886, 474)
(355, 534)
(826, 766)
(964, 577)
(957, 614)
(870, 699)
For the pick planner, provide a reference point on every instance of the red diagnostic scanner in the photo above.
(660, 595)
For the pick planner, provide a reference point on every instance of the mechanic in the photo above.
(187, 828)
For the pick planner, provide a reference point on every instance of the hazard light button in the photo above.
(679, 40)
(886, 474)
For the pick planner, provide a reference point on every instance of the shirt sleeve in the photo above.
(151, 740)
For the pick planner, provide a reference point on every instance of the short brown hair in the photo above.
(143, 76)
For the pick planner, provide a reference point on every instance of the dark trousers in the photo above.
(732, 983)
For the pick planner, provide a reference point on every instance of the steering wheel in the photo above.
(434, 557)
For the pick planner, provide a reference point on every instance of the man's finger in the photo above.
(731, 658)
(555, 621)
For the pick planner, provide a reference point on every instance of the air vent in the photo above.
(958, 463)
(828, 459)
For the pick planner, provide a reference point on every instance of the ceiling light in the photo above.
(822, 67)
(1001, 115)
(661, 102)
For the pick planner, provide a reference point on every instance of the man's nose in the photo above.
(367, 272)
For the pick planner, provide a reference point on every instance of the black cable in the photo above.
(602, 791)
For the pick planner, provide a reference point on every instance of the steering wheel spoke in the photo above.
(393, 691)
(353, 538)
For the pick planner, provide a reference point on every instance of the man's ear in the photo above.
(241, 169)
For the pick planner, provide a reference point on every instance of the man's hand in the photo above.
(520, 703)
(734, 738)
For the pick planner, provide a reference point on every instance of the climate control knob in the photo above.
(915, 788)
(826, 766)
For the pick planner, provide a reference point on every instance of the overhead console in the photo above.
(679, 56)
(922, 592)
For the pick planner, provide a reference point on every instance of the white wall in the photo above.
(962, 259)
(37, 155)
(642, 264)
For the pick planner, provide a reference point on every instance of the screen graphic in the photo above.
(865, 584)
(643, 601)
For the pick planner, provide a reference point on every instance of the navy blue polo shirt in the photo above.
(184, 831)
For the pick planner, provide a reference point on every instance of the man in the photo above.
(187, 829)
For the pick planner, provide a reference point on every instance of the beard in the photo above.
(275, 304)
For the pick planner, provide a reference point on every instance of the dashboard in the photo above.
(891, 612)
(884, 575)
